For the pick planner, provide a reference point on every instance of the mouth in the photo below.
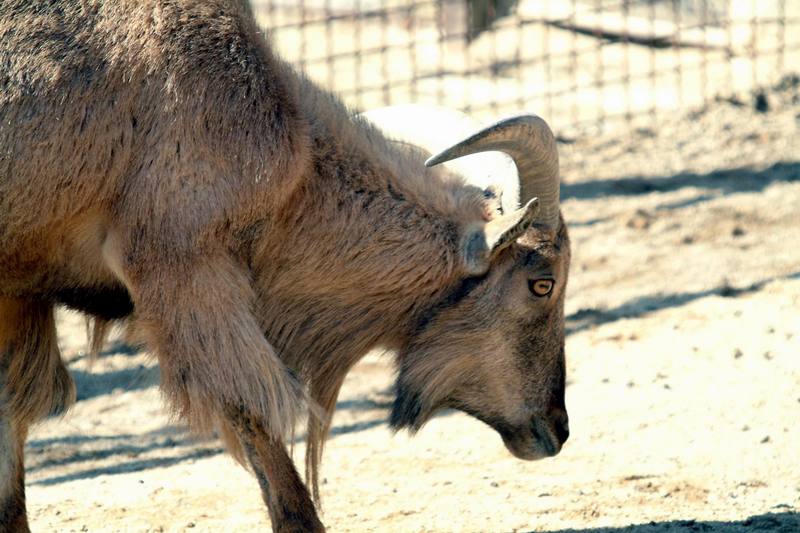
(536, 441)
(540, 439)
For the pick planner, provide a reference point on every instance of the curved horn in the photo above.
(530, 142)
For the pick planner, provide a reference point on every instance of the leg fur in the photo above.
(216, 365)
(199, 322)
(36, 383)
(290, 507)
(33, 384)
(197, 317)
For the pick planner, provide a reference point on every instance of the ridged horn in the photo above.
(531, 144)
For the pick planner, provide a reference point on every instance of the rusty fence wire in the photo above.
(581, 64)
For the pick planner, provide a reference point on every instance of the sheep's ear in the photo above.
(480, 244)
(502, 231)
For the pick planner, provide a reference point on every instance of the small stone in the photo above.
(190, 525)
(737, 353)
(640, 220)
(761, 102)
(494, 484)
(765, 440)
(737, 232)
(745, 428)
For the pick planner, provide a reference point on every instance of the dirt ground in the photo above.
(683, 380)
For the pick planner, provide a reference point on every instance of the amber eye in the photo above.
(540, 287)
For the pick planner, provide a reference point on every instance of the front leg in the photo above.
(197, 316)
(290, 507)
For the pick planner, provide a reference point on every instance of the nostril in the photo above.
(562, 430)
(560, 424)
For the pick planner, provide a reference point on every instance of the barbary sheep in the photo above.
(159, 164)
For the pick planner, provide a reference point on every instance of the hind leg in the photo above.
(33, 384)
(12, 478)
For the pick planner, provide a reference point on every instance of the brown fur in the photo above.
(13, 518)
(33, 384)
(158, 162)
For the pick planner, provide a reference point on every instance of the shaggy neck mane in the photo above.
(385, 233)
(368, 159)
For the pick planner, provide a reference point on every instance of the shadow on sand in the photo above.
(786, 522)
(170, 438)
(644, 305)
(195, 449)
(727, 181)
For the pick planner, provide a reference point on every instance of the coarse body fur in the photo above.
(158, 163)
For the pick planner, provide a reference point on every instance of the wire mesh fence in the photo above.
(582, 64)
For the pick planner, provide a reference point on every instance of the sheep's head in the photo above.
(493, 347)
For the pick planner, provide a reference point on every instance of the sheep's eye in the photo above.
(541, 287)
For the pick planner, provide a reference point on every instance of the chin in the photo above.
(527, 449)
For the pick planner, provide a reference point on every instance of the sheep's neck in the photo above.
(377, 243)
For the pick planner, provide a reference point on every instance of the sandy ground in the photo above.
(683, 391)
